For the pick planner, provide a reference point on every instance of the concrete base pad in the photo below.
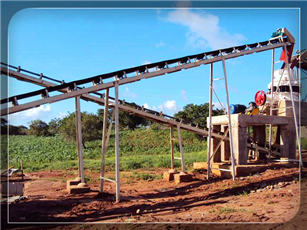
(182, 177)
(169, 175)
(246, 170)
(204, 165)
(200, 165)
(241, 170)
(75, 181)
(79, 188)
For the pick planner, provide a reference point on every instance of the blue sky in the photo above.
(70, 44)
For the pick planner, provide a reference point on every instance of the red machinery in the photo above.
(260, 98)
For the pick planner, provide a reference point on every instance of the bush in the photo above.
(38, 128)
(304, 143)
(91, 127)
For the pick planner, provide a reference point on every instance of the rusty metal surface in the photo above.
(161, 68)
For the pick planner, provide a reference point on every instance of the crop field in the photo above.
(141, 148)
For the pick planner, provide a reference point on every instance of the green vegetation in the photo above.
(141, 148)
(142, 176)
(197, 114)
(91, 126)
(3, 148)
(11, 129)
(39, 152)
(231, 210)
(304, 143)
(245, 193)
(38, 128)
(143, 144)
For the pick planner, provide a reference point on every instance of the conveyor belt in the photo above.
(145, 71)
(131, 108)
(124, 106)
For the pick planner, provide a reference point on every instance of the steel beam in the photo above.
(79, 139)
(104, 138)
(124, 108)
(210, 122)
(117, 162)
(172, 146)
(181, 149)
(233, 162)
(121, 81)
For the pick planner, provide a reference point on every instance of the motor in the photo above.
(252, 109)
(237, 108)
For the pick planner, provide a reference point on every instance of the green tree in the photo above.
(38, 128)
(54, 126)
(126, 120)
(130, 121)
(197, 114)
(90, 123)
(11, 129)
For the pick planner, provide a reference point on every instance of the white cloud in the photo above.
(36, 112)
(159, 44)
(184, 95)
(168, 107)
(205, 30)
(146, 106)
(146, 63)
(61, 115)
(155, 108)
(23, 117)
(128, 93)
(217, 105)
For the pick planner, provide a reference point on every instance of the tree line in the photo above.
(92, 123)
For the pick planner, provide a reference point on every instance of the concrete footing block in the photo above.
(200, 165)
(169, 175)
(75, 181)
(77, 189)
(243, 170)
(182, 177)
(11, 188)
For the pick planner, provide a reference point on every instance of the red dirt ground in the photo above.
(272, 196)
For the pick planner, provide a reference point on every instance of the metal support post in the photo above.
(79, 139)
(271, 103)
(104, 138)
(293, 109)
(181, 149)
(299, 97)
(110, 128)
(210, 122)
(172, 146)
(117, 164)
(229, 123)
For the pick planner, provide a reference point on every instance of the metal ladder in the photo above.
(233, 163)
(296, 119)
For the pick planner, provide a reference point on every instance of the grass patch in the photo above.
(139, 149)
(212, 211)
(245, 193)
(236, 184)
(304, 143)
(143, 176)
(127, 163)
(230, 210)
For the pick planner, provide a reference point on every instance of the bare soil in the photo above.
(271, 196)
